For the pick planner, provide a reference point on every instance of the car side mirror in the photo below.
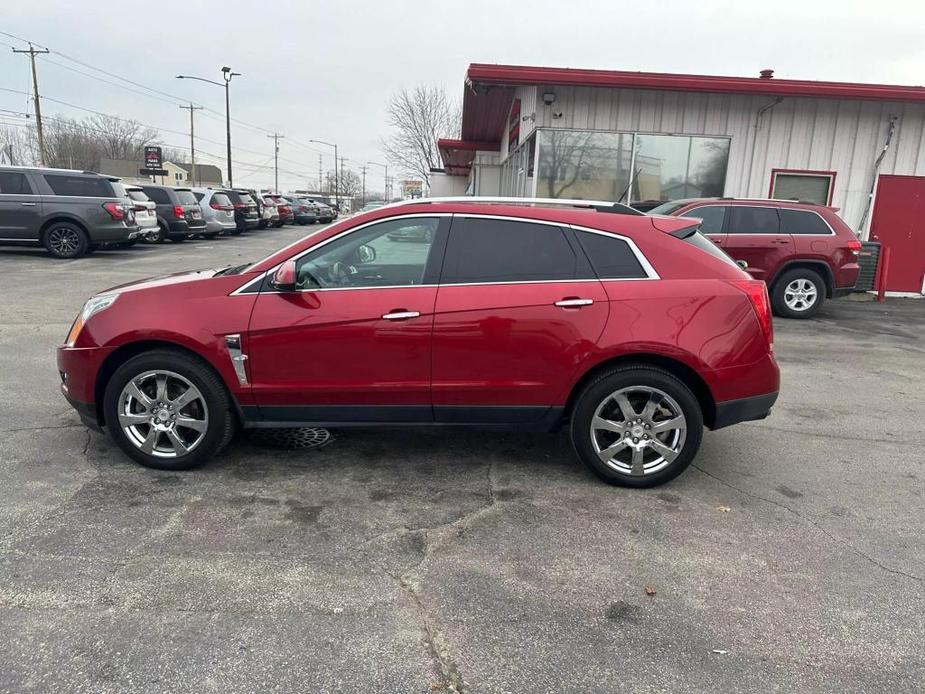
(283, 279)
(366, 254)
(742, 264)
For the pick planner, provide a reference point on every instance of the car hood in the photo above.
(163, 281)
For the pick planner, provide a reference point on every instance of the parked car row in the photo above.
(72, 213)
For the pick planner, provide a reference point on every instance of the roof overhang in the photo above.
(458, 155)
(489, 90)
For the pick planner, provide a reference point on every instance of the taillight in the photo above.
(115, 210)
(304, 208)
(757, 292)
(854, 246)
(178, 212)
(239, 205)
(215, 206)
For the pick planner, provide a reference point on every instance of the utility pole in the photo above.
(320, 175)
(35, 91)
(341, 167)
(276, 138)
(192, 140)
(363, 199)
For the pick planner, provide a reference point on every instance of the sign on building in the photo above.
(412, 188)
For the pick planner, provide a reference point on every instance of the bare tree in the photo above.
(348, 182)
(18, 145)
(81, 144)
(418, 118)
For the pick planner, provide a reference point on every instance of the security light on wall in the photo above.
(549, 98)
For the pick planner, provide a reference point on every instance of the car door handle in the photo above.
(574, 303)
(28, 204)
(400, 314)
(780, 242)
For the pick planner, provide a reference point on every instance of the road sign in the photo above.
(153, 158)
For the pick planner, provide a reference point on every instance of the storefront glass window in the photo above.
(598, 166)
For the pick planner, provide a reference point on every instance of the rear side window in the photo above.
(495, 250)
(186, 197)
(713, 217)
(612, 258)
(138, 196)
(802, 222)
(199, 196)
(706, 245)
(753, 220)
(80, 186)
(158, 195)
(14, 183)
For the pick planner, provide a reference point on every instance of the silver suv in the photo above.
(70, 213)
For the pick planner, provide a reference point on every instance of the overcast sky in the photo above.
(314, 70)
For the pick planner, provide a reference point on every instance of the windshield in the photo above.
(138, 195)
(668, 207)
(186, 197)
(247, 199)
(706, 245)
(221, 199)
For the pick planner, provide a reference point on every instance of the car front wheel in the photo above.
(798, 293)
(637, 426)
(168, 410)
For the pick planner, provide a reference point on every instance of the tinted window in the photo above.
(186, 197)
(802, 222)
(199, 196)
(84, 186)
(247, 199)
(233, 196)
(611, 257)
(221, 199)
(158, 195)
(753, 220)
(667, 207)
(706, 245)
(138, 195)
(13, 183)
(394, 253)
(712, 216)
(495, 250)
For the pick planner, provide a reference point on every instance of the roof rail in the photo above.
(599, 205)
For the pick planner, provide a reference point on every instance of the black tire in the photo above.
(780, 290)
(236, 232)
(158, 236)
(65, 240)
(598, 392)
(220, 424)
(178, 239)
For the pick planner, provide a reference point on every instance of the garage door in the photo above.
(899, 224)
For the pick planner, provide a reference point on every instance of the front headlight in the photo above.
(91, 308)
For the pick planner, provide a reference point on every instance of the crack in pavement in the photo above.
(808, 519)
(824, 435)
(63, 426)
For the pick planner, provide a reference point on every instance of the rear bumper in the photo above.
(743, 410)
(842, 291)
(111, 232)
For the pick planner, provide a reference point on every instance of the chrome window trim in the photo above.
(770, 207)
(414, 215)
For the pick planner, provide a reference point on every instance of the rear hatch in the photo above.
(250, 211)
(191, 210)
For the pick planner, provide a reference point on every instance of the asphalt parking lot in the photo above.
(791, 558)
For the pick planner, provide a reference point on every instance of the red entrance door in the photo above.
(899, 224)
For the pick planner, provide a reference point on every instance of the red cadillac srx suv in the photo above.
(804, 252)
(634, 331)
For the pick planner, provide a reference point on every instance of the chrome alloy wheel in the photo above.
(163, 414)
(638, 430)
(800, 295)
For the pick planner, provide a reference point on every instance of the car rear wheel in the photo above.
(66, 240)
(799, 293)
(637, 426)
(158, 235)
(168, 410)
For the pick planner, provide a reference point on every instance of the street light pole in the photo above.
(334, 145)
(227, 74)
(386, 167)
(192, 140)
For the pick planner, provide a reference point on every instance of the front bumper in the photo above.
(743, 410)
(78, 367)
